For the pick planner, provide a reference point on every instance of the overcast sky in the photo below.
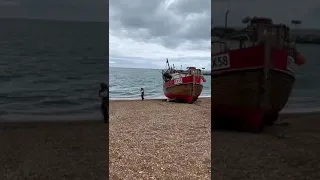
(282, 11)
(80, 10)
(143, 33)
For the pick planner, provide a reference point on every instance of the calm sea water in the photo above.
(125, 83)
(51, 69)
(306, 92)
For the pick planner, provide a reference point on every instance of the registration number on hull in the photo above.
(177, 81)
(220, 62)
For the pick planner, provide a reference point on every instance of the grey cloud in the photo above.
(6, 3)
(80, 10)
(123, 61)
(134, 62)
(191, 6)
(151, 21)
(281, 11)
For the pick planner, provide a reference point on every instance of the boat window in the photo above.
(276, 35)
(218, 47)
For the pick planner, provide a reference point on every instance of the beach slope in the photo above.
(154, 139)
(76, 150)
(288, 150)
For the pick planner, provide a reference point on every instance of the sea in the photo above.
(305, 95)
(125, 84)
(51, 70)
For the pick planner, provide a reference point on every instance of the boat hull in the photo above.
(243, 89)
(246, 90)
(183, 92)
(183, 89)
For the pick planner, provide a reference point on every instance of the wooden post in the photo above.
(194, 85)
(266, 69)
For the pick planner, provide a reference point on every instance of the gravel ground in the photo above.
(154, 139)
(279, 153)
(53, 151)
(160, 140)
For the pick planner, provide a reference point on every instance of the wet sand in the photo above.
(153, 139)
(57, 151)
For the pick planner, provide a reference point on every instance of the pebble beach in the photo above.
(55, 151)
(155, 139)
(288, 150)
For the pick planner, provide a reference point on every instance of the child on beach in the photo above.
(142, 94)
(103, 93)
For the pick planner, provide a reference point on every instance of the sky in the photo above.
(79, 10)
(143, 33)
(281, 11)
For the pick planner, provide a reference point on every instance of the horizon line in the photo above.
(51, 19)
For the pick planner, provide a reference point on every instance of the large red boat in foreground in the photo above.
(182, 85)
(252, 74)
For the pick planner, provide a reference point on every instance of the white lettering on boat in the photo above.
(220, 62)
(290, 63)
(177, 81)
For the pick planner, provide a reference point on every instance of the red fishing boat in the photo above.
(252, 73)
(182, 85)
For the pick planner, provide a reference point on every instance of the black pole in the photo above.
(226, 19)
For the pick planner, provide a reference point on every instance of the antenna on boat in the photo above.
(226, 19)
(181, 67)
(295, 22)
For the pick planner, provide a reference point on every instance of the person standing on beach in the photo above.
(104, 94)
(142, 94)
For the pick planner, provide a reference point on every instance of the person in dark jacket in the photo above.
(104, 95)
(142, 94)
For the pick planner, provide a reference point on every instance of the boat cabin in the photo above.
(171, 74)
(258, 30)
(193, 70)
